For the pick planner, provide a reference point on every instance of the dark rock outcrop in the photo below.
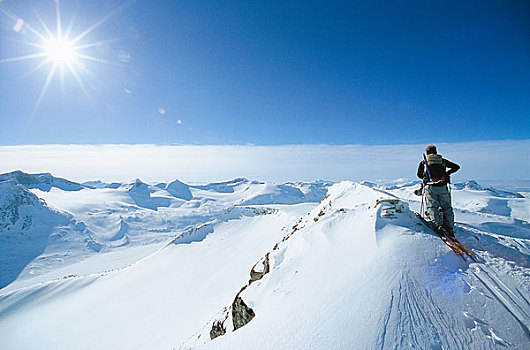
(241, 313)
(257, 275)
(218, 329)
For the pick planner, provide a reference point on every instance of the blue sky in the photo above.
(271, 73)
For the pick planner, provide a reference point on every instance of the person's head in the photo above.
(431, 149)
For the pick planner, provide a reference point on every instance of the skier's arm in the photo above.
(420, 170)
(453, 167)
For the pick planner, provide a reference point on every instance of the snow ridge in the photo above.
(413, 303)
(44, 182)
(246, 264)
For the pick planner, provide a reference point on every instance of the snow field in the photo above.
(356, 270)
(359, 275)
(154, 302)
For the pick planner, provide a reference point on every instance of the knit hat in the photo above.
(431, 149)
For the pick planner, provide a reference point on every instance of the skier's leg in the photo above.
(432, 204)
(448, 214)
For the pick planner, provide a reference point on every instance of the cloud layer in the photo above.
(500, 160)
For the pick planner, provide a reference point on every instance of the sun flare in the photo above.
(60, 51)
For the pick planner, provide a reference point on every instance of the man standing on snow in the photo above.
(435, 183)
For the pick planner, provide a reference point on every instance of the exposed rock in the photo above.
(255, 274)
(218, 329)
(386, 200)
(241, 313)
(28, 220)
(218, 326)
(389, 207)
(295, 228)
(12, 198)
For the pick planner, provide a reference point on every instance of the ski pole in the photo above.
(422, 196)
(427, 167)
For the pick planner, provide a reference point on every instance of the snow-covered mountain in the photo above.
(44, 182)
(27, 227)
(242, 264)
(77, 221)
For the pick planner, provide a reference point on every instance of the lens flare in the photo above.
(57, 50)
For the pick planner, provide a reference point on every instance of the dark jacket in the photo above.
(438, 169)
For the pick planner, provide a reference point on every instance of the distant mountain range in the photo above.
(247, 264)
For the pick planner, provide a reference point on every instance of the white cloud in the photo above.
(499, 160)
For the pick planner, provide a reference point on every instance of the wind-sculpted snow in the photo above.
(473, 185)
(100, 184)
(141, 193)
(246, 264)
(245, 192)
(107, 217)
(225, 187)
(199, 233)
(358, 269)
(178, 190)
(195, 279)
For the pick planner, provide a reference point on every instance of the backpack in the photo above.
(437, 169)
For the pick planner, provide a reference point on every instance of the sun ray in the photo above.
(96, 44)
(37, 45)
(99, 82)
(58, 20)
(95, 59)
(34, 69)
(46, 29)
(28, 26)
(90, 29)
(11, 15)
(33, 30)
(70, 24)
(61, 77)
(25, 57)
(65, 57)
(45, 87)
(79, 81)
(101, 21)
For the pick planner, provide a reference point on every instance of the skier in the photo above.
(436, 179)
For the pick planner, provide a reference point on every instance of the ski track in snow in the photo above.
(442, 312)
(514, 302)
(356, 268)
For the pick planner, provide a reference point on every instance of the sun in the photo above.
(59, 50)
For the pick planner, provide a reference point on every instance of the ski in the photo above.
(454, 247)
(463, 248)
(458, 244)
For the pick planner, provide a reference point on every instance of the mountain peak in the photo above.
(42, 181)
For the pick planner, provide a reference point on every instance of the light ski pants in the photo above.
(438, 204)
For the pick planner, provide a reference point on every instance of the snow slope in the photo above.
(357, 274)
(152, 303)
(27, 227)
(181, 264)
(109, 225)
